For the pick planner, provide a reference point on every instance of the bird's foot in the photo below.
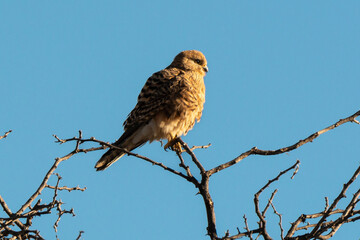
(174, 145)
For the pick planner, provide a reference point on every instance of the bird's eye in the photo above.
(198, 61)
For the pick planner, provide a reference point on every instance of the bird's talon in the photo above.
(168, 145)
(177, 147)
(173, 145)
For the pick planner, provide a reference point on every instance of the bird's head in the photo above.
(191, 60)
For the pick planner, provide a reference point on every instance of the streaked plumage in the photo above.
(168, 106)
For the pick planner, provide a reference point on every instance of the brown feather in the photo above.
(168, 105)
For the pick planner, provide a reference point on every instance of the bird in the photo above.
(169, 104)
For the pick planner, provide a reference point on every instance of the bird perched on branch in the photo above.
(168, 106)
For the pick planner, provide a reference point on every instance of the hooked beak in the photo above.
(206, 69)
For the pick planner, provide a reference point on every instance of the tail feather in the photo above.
(126, 141)
(111, 156)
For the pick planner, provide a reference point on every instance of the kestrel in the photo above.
(168, 106)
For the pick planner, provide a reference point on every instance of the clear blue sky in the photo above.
(279, 71)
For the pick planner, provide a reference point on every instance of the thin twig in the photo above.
(335, 202)
(10, 214)
(323, 225)
(182, 164)
(280, 221)
(269, 202)
(247, 227)
(262, 222)
(326, 203)
(79, 236)
(43, 183)
(6, 134)
(67, 188)
(105, 145)
(193, 157)
(200, 147)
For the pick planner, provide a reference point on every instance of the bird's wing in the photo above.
(155, 97)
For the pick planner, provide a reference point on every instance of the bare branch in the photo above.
(200, 147)
(261, 216)
(10, 214)
(67, 188)
(326, 203)
(79, 236)
(256, 151)
(240, 235)
(182, 164)
(280, 221)
(193, 157)
(104, 145)
(323, 225)
(269, 202)
(60, 213)
(335, 202)
(323, 229)
(6, 134)
(38, 209)
(246, 227)
(277, 177)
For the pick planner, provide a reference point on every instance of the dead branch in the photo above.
(323, 225)
(323, 229)
(280, 221)
(23, 219)
(79, 140)
(6, 134)
(79, 236)
(261, 215)
(200, 147)
(256, 151)
(193, 157)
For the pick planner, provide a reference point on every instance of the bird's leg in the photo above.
(174, 145)
(177, 146)
(170, 143)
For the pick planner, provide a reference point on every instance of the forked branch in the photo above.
(323, 229)
(24, 216)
